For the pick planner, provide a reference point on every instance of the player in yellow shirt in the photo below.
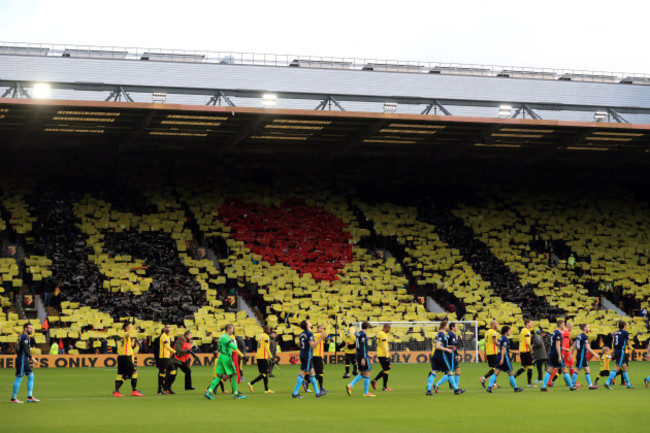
(525, 350)
(318, 352)
(383, 355)
(605, 357)
(125, 367)
(350, 350)
(165, 366)
(264, 359)
(491, 351)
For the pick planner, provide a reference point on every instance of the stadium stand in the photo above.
(616, 253)
(180, 250)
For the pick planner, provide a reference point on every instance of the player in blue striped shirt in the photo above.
(621, 338)
(24, 365)
(442, 360)
(581, 345)
(364, 362)
(555, 359)
(503, 361)
(307, 343)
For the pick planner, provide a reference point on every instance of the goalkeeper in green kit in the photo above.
(225, 368)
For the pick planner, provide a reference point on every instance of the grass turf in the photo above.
(80, 400)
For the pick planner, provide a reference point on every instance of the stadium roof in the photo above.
(41, 125)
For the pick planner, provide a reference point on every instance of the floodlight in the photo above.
(390, 107)
(159, 97)
(269, 100)
(41, 91)
(505, 110)
(600, 116)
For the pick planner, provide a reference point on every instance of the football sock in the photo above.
(214, 384)
(547, 376)
(625, 376)
(513, 382)
(567, 379)
(432, 377)
(171, 377)
(489, 373)
(574, 379)
(611, 377)
(588, 378)
(557, 374)
(366, 384)
(492, 380)
(266, 382)
(385, 379)
(30, 384)
(119, 380)
(379, 376)
(16, 387)
(444, 379)
(161, 379)
(312, 380)
(529, 375)
(457, 379)
(298, 384)
(356, 379)
(347, 369)
(452, 382)
(233, 384)
(319, 377)
(521, 370)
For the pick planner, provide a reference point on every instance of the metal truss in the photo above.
(16, 90)
(218, 97)
(118, 92)
(328, 101)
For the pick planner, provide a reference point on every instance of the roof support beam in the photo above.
(216, 99)
(616, 116)
(436, 105)
(117, 95)
(329, 101)
(17, 91)
(526, 109)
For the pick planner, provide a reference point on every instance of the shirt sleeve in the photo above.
(26, 348)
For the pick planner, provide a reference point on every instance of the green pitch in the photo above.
(80, 400)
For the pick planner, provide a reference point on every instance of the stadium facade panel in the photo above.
(300, 88)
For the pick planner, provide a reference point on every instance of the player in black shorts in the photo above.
(526, 351)
(125, 367)
(383, 354)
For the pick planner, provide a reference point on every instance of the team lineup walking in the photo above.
(445, 359)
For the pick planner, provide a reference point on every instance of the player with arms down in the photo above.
(503, 361)
(555, 359)
(363, 359)
(24, 365)
(225, 368)
(621, 338)
(581, 346)
(442, 361)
